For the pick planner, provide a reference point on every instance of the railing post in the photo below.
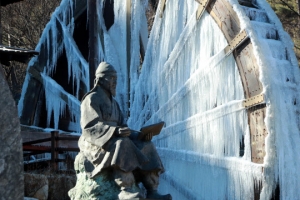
(54, 153)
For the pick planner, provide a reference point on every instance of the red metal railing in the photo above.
(40, 142)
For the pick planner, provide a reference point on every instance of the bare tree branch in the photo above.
(24, 22)
(292, 9)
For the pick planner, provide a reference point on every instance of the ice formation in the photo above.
(188, 81)
(78, 72)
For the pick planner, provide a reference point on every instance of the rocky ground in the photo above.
(48, 185)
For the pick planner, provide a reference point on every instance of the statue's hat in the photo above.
(103, 69)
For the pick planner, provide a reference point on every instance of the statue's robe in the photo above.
(100, 143)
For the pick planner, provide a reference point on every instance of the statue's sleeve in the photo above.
(94, 129)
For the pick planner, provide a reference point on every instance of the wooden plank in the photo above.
(39, 107)
(232, 13)
(228, 22)
(63, 140)
(236, 41)
(31, 98)
(202, 6)
(225, 17)
(54, 153)
(37, 148)
(59, 149)
(253, 101)
(162, 7)
(249, 69)
(142, 48)
(80, 7)
(0, 25)
(258, 134)
(76, 138)
(68, 143)
(34, 73)
(246, 3)
(213, 14)
(36, 141)
(31, 135)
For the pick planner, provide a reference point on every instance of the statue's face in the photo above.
(110, 83)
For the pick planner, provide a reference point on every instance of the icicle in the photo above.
(183, 58)
(56, 106)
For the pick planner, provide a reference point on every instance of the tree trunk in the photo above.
(0, 25)
(298, 5)
(93, 48)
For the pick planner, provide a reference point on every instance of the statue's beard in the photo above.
(113, 92)
(109, 89)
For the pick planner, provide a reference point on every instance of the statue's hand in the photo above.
(148, 137)
(124, 131)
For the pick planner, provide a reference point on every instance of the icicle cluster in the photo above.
(189, 83)
(61, 19)
(57, 101)
(280, 77)
(113, 47)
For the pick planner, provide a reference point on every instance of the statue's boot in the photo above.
(128, 193)
(153, 194)
(150, 181)
(126, 180)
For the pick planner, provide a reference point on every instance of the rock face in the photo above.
(48, 186)
(59, 185)
(11, 158)
(36, 186)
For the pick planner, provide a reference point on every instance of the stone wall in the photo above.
(11, 158)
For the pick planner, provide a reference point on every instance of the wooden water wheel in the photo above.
(220, 73)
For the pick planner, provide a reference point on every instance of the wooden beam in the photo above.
(236, 41)
(248, 69)
(162, 7)
(241, 47)
(202, 6)
(93, 32)
(225, 17)
(142, 48)
(36, 74)
(254, 101)
(44, 139)
(258, 133)
(30, 102)
(54, 153)
(246, 3)
(80, 7)
(0, 25)
(36, 148)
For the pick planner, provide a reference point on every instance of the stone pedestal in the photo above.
(101, 187)
(11, 158)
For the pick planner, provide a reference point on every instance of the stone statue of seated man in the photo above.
(110, 151)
